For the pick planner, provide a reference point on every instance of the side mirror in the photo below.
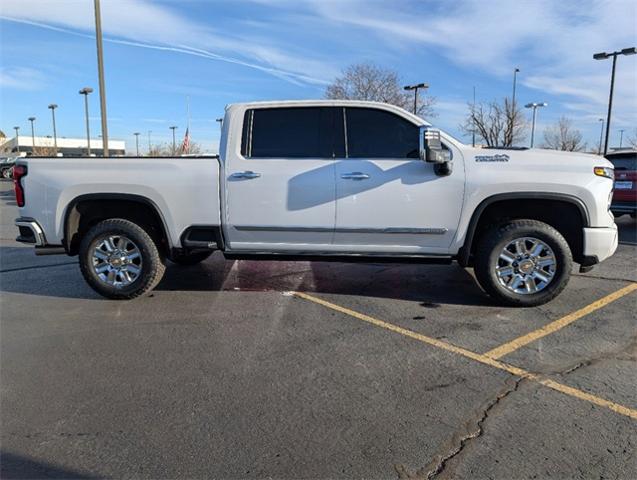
(431, 149)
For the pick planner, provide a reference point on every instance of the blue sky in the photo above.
(219, 52)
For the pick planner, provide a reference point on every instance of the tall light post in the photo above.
(32, 119)
(173, 128)
(17, 138)
(604, 56)
(100, 74)
(515, 79)
(53, 106)
(149, 143)
(136, 143)
(85, 91)
(621, 137)
(415, 89)
(601, 133)
(534, 106)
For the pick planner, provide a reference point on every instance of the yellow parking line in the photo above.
(574, 392)
(553, 327)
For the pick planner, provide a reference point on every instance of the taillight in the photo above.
(19, 171)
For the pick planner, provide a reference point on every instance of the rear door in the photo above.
(280, 187)
(388, 200)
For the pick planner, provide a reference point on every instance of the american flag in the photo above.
(185, 146)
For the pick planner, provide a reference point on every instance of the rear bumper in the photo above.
(600, 243)
(30, 232)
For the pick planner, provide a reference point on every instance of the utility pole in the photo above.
(17, 138)
(621, 137)
(415, 89)
(53, 106)
(85, 91)
(32, 119)
(173, 129)
(601, 133)
(136, 143)
(515, 78)
(603, 56)
(100, 73)
(473, 118)
(149, 144)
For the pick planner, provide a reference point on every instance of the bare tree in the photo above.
(368, 81)
(497, 124)
(632, 140)
(166, 150)
(562, 136)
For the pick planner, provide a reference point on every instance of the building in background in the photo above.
(67, 147)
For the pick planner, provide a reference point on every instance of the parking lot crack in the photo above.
(458, 443)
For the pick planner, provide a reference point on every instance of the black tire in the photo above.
(491, 245)
(152, 263)
(186, 259)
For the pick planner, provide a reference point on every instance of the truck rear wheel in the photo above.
(119, 260)
(523, 263)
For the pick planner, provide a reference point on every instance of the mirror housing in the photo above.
(431, 149)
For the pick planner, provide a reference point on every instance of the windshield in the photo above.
(624, 161)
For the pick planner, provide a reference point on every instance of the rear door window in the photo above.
(624, 161)
(295, 132)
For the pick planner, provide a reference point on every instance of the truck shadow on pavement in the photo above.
(14, 466)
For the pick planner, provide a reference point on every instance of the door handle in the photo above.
(354, 176)
(246, 175)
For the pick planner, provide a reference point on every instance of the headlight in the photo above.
(604, 172)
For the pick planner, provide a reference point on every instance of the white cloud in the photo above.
(21, 78)
(140, 23)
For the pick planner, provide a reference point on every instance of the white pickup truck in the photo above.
(326, 180)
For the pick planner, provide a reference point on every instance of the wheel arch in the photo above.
(85, 210)
(482, 214)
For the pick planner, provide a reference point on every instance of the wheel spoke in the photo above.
(126, 276)
(507, 256)
(109, 244)
(542, 276)
(132, 255)
(100, 254)
(530, 285)
(520, 246)
(536, 249)
(514, 282)
(134, 269)
(110, 278)
(102, 268)
(547, 261)
(505, 271)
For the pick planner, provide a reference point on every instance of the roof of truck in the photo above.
(331, 103)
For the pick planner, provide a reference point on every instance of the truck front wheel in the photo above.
(119, 260)
(523, 263)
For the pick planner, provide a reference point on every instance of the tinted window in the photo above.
(624, 161)
(297, 132)
(378, 134)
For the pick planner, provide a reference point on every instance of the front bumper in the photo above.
(600, 243)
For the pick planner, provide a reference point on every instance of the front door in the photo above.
(388, 200)
(280, 188)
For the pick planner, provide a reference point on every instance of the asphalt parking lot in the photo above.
(314, 370)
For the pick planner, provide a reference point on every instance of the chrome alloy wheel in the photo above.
(526, 265)
(117, 261)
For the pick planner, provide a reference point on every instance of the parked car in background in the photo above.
(625, 192)
(345, 180)
(6, 166)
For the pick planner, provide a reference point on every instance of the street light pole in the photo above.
(100, 74)
(603, 56)
(53, 106)
(173, 129)
(515, 78)
(149, 144)
(136, 143)
(85, 91)
(621, 137)
(17, 138)
(601, 133)
(534, 106)
(32, 119)
(415, 89)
